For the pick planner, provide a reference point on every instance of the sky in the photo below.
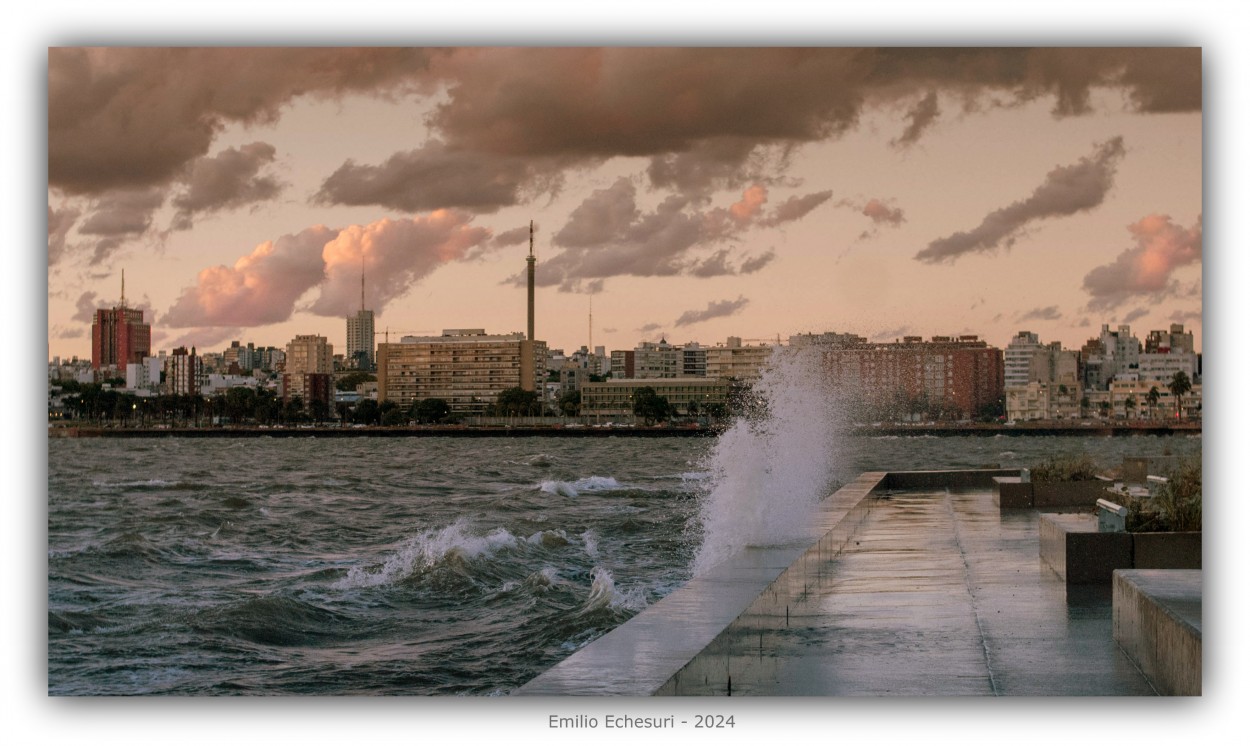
(689, 194)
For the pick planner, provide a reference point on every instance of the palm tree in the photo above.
(1129, 404)
(1152, 398)
(1179, 386)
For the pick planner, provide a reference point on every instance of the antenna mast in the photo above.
(123, 288)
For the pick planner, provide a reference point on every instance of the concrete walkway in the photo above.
(940, 595)
(923, 592)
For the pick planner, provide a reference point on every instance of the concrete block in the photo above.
(1181, 550)
(1011, 493)
(1073, 547)
(1157, 621)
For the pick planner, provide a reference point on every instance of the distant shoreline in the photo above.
(954, 429)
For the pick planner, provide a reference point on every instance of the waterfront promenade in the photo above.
(913, 590)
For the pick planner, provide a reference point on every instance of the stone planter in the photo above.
(1069, 494)
(1074, 548)
(1011, 493)
(1180, 550)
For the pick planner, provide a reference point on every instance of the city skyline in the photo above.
(747, 192)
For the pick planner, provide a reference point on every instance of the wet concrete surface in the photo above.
(928, 593)
(941, 595)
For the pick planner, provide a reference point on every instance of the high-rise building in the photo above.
(184, 372)
(360, 350)
(360, 334)
(1021, 360)
(119, 336)
(307, 353)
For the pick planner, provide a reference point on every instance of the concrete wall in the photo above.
(955, 480)
(1157, 620)
(683, 641)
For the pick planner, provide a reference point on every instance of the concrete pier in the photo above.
(909, 589)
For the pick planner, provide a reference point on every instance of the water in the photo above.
(414, 566)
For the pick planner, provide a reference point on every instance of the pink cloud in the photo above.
(261, 288)
(396, 254)
(1146, 269)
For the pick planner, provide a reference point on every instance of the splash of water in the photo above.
(773, 466)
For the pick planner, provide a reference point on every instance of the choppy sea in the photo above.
(419, 566)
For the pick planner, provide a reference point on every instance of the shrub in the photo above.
(1177, 506)
(1065, 469)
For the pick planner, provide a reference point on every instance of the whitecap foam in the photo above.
(426, 550)
(575, 488)
(591, 542)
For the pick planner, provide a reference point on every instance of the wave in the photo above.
(427, 550)
(605, 595)
(279, 621)
(575, 488)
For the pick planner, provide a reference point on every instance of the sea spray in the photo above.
(771, 468)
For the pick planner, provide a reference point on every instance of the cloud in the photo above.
(652, 327)
(228, 180)
(73, 332)
(126, 117)
(512, 237)
(607, 235)
(264, 286)
(1049, 313)
(261, 288)
(396, 253)
(119, 216)
(714, 310)
(756, 263)
(795, 208)
(1134, 315)
(919, 118)
(1146, 269)
(435, 176)
(1183, 316)
(882, 214)
(60, 221)
(1066, 190)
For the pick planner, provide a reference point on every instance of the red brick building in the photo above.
(119, 337)
(945, 378)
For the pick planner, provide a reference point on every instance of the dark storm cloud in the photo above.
(1146, 270)
(230, 179)
(434, 177)
(714, 310)
(919, 117)
(136, 116)
(1067, 190)
(130, 117)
